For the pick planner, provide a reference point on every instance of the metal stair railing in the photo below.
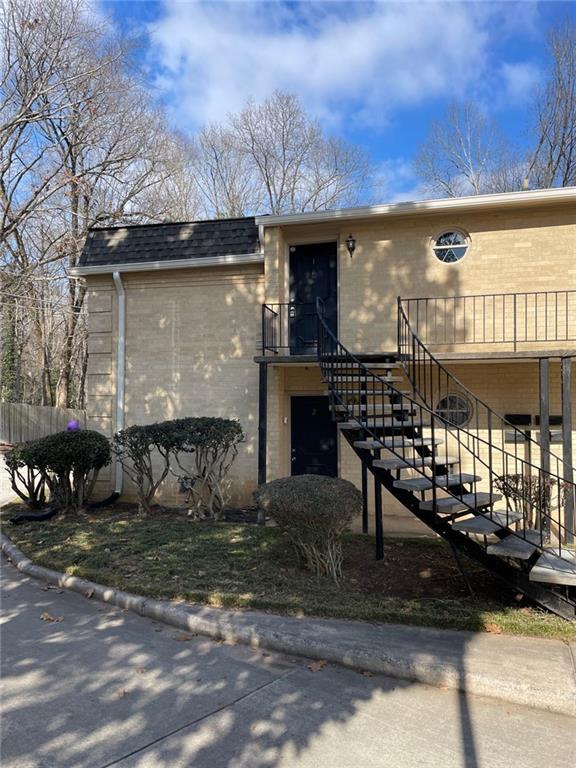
(474, 452)
(497, 443)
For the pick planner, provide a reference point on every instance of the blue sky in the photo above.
(374, 73)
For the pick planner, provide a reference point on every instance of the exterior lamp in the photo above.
(351, 245)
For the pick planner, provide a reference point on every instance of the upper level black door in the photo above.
(314, 436)
(312, 275)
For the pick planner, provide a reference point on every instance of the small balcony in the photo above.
(289, 329)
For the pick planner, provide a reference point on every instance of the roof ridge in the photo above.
(171, 223)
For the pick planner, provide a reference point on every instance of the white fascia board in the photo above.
(153, 266)
(531, 197)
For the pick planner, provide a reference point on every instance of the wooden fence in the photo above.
(20, 422)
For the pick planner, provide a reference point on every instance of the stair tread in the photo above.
(367, 392)
(383, 422)
(386, 408)
(486, 524)
(370, 366)
(376, 384)
(468, 500)
(400, 443)
(414, 463)
(441, 481)
(520, 547)
(552, 569)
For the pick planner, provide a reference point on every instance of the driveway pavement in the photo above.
(85, 685)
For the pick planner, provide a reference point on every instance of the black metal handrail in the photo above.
(497, 318)
(277, 328)
(432, 381)
(338, 366)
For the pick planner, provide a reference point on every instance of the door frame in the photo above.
(288, 440)
(314, 240)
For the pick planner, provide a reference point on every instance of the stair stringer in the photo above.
(338, 367)
(513, 575)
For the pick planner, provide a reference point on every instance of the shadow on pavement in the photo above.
(102, 687)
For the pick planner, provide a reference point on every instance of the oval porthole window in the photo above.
(454, 409)
(451, 246)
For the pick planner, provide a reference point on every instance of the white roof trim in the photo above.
(151, 266)
(530, 197)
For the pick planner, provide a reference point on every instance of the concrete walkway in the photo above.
(527, 671)
(89, 686)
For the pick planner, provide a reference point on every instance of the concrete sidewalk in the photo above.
(87, 685)
(527, 671)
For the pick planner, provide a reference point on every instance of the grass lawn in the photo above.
(244, 566)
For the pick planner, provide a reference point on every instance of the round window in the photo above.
(451, 246)
(455, 410)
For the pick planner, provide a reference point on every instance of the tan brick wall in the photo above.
(305, 380)
(511, 387)
(191, 337)
(507, 387)
(192, 334)
(101, 372)
(511, 250)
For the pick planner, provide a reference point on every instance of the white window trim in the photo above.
(435, 239)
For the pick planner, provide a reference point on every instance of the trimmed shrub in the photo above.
(134, 447)
(204, 451)
(67, 463)
(314, 511)
(199, 451)
(26, 480)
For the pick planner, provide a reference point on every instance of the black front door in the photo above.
(313, 437)
(312, 276)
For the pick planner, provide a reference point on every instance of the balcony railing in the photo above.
(508, 319)
(289, 328)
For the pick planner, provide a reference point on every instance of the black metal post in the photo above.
(262, 428)
(378, 526)
(364, 498)
(567, 447)
(378, 520)
(544, 371)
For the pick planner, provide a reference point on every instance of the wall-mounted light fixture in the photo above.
(351, 245)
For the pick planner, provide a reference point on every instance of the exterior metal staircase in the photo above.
(452, 477)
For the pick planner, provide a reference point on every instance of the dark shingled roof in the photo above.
(167, 242)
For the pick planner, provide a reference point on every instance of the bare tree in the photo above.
(466, 154)
(177, 195)
(274, 157)
(39, 41)
(554, 157)
(81, 146)
(226, 177)
(298, 167)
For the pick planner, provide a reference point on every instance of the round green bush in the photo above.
(314, 511)
(67, 462)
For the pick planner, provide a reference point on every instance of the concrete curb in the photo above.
(222, 625)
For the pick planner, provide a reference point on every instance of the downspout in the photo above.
(120, 370)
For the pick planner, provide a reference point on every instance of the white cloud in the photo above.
(396, 181)
(345, 60)
(520, 81)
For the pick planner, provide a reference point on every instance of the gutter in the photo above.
(152, 266)
(472, 202)
(120, 370)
